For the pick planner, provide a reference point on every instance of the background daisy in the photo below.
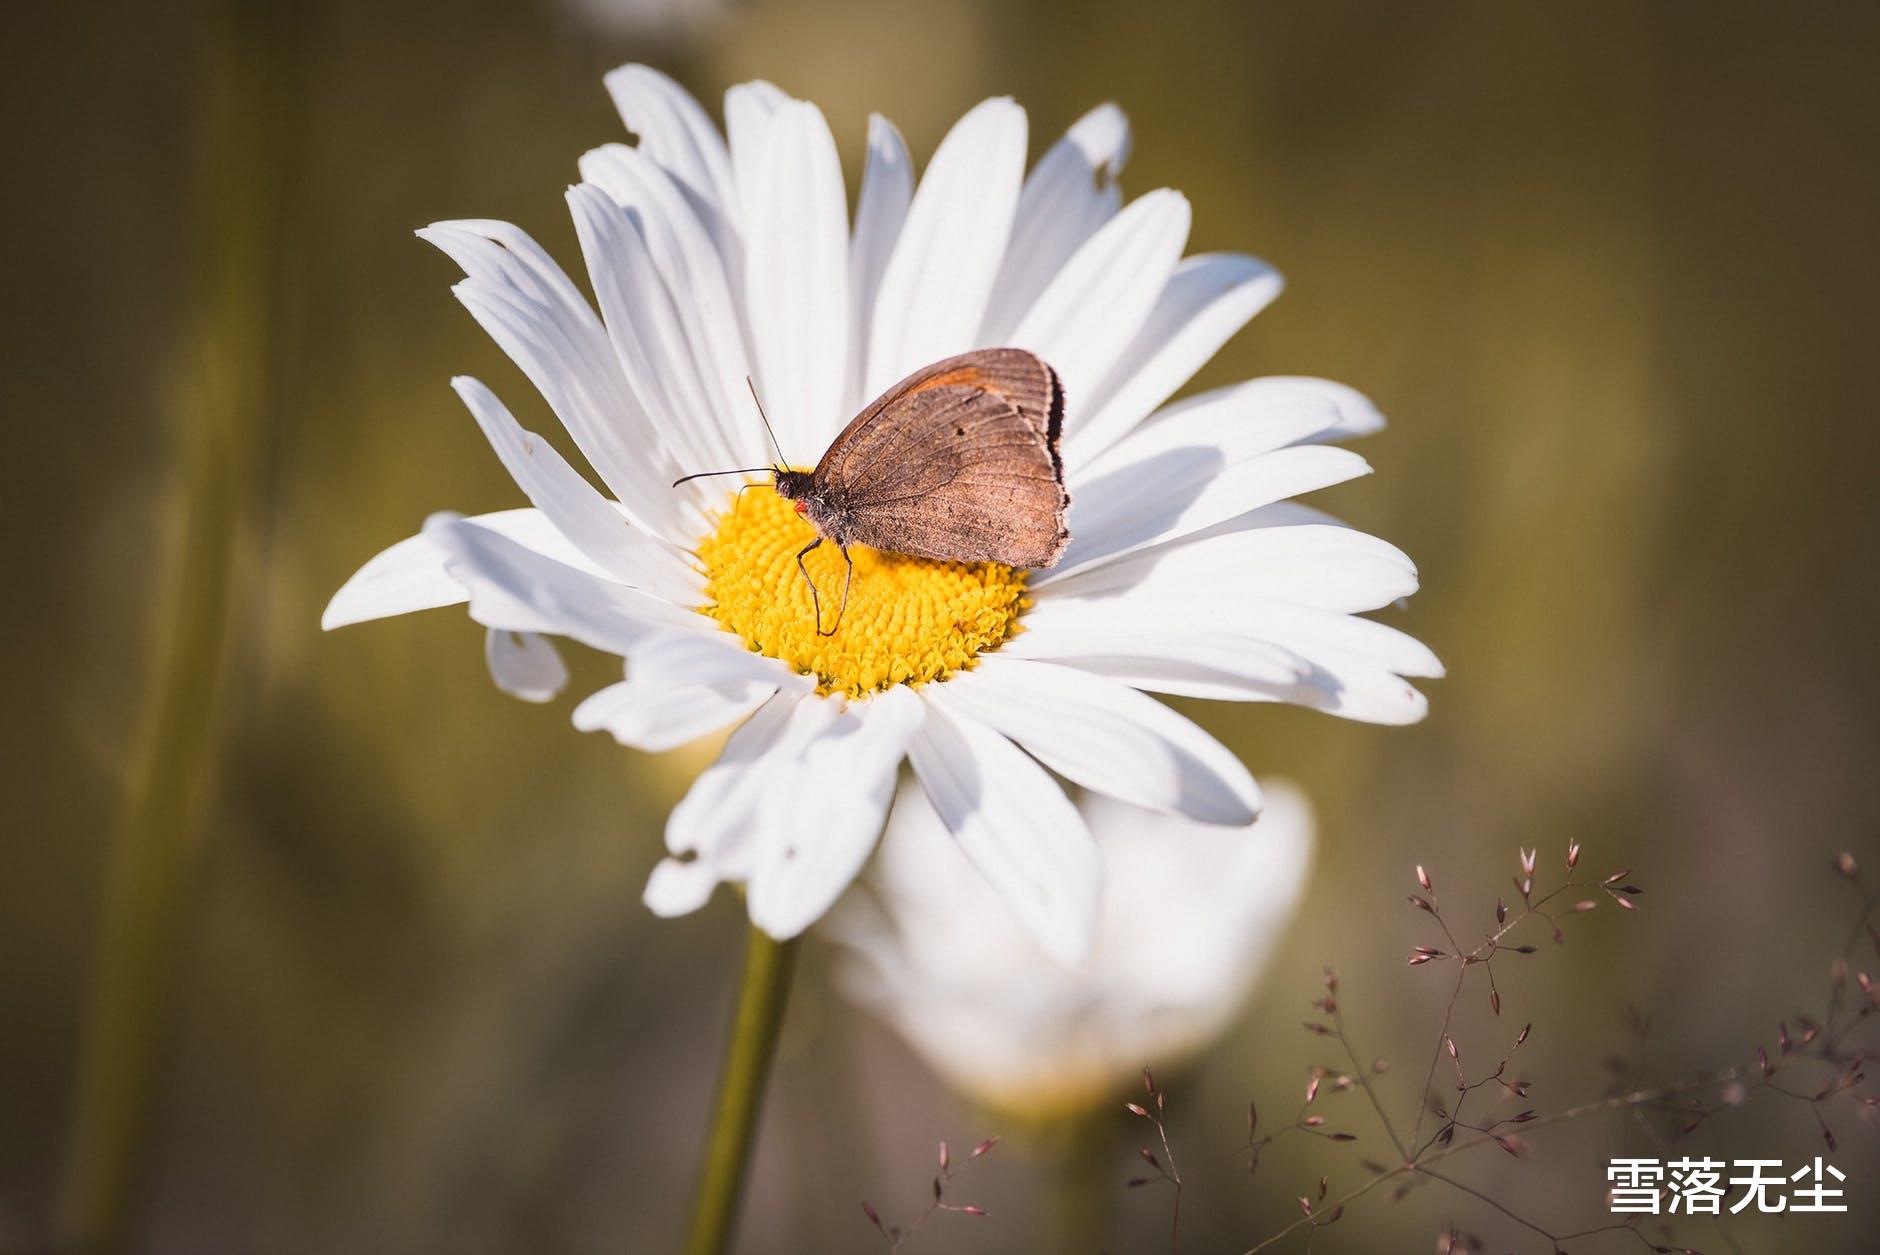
(1190, 915)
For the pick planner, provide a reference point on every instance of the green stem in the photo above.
(221, 394)
(1082, 1184)
(754, 1031)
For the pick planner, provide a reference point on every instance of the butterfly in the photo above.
(958, 462)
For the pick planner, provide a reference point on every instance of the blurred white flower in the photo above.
(1189, 914)
(671, 20)
(1188, 571)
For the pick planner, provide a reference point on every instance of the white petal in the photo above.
(678, 887)
(1204, 906)
(712, 656)
(796, 280)
(411, 576)
(1165, 658)
(406, 577)
(688, 261)
(1110, 738)
(1014, 822)
(1239, 667)
(1208, 299)
(1355, 686)
(1246, 419)
(1315, 633)
(682, 685)
(1198, 647)
(657, 716)
(1279, 514)
(535, 315)
(1302, 629)
(792, 806)
(795, 803)
(1357, 416)
(506, 254)
(1098, 302)
(518, 590)
(749, 109)
(580, 513)
(649, 334)
(934, 291)
(1312, 564)
(605, 417)
(1071, 192)
(1183, 490)
(675, 131)
(887, 189)
(524, 665)
(831, 812)
(719, 818)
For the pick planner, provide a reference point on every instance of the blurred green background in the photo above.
(1609, 267)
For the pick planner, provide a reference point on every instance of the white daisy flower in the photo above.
(1189, 912)
(1188, 572)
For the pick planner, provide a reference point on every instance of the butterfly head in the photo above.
(796, 485)
(812, 502)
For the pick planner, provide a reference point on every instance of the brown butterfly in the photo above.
(958, 462)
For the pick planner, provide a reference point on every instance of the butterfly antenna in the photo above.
(766, 420)
(742, 470)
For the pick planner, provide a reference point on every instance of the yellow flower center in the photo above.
(908, 620)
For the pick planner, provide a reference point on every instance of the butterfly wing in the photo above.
(959, 462)
(1019, 376)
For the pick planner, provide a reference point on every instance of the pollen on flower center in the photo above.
(909, 620)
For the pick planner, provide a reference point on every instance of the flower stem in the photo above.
(1082, 1184)
(754, 1031)
(219, 406)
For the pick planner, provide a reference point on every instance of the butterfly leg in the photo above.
(814, 600)
(847, 580)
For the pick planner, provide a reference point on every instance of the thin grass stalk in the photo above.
(217, 399)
